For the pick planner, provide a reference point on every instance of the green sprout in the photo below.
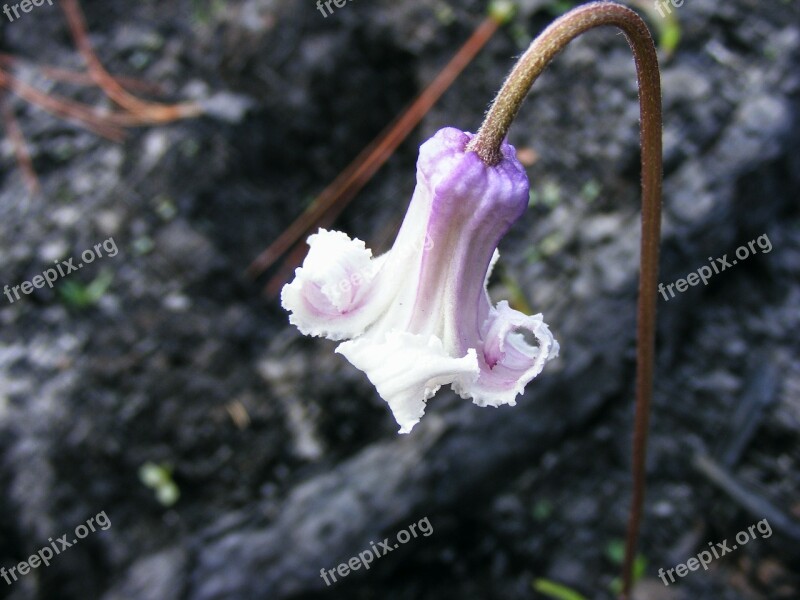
(77, 295)
(444, 13)
(615, 552)
(502, 11)
(551, 589)
(159, 479)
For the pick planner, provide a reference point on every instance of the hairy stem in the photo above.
(487, 145)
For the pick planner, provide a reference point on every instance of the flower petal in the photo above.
(334, 294)
(408, 369)
(419, 316)
(509, 361)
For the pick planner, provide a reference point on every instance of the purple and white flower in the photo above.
(419, 316)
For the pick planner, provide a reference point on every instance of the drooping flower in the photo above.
(419, 316)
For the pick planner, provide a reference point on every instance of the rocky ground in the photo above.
(235, 458)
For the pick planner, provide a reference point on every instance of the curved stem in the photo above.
(487, 145)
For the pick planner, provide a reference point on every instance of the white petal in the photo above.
(334, 294)
(510, 362)
(490, 270)
(408, 369)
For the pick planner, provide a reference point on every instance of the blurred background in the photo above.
(235, 458)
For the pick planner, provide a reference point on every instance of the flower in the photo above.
(419, 317)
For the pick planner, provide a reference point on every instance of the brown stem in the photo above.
(147, 111)
(487, 145)
(61, 107)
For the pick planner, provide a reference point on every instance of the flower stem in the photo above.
(487, 145)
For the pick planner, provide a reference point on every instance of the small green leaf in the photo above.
(639, 566)
(670, 36)
(159, 479)
(444, 13)
(168, 494)
(551, 589)
(153, 475)
(615, 551)
(78, 295)
(502, 11)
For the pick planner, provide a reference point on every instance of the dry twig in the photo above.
(109, 124)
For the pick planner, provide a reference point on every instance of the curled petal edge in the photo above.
(334, 294)
(510, 362)
(408, 369)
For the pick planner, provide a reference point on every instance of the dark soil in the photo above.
(285, 458)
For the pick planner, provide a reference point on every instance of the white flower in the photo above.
(419, 316)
